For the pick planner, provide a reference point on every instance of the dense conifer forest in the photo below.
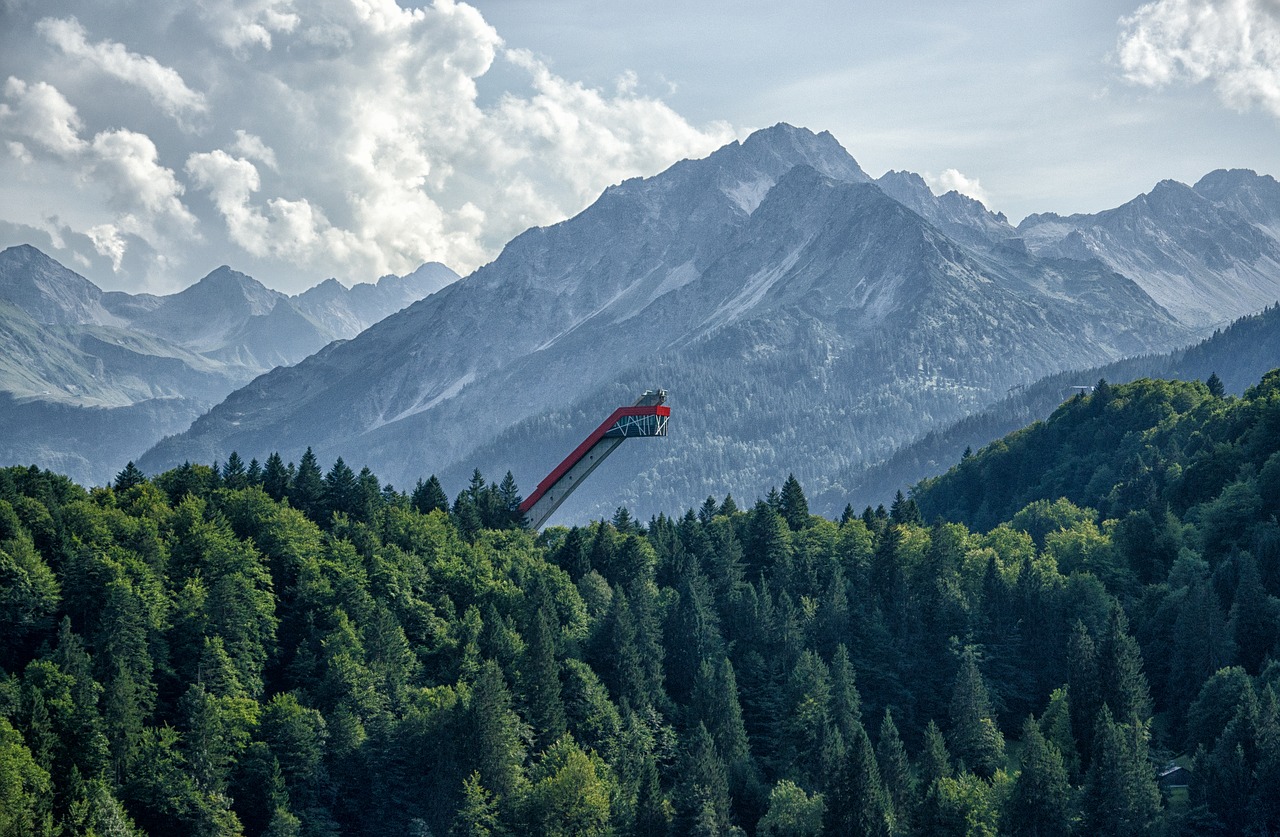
(1074, 631)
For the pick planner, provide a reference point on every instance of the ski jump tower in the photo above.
(647, 417)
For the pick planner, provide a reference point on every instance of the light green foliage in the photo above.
(792, 812)
(23, 786)
(569, 794)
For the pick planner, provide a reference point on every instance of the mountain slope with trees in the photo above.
(1238, 355)
(276, 649)
(795, 311)
(90, 378)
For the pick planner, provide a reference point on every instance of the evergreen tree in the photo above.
(478, 814)
(702, 792)
(855, 798)
(495, 732)
(129, 477)
(275, 477)
(234, 474)
(1040, 802)
(307, 490)
(510, 499)
(254, 475)
(1216, 389)
(540, 678)
(1255, 617)
(974, 735)
(895, 771)
(935, 761)
(341, 492)
(1120, 670)
(1120, 794)
(429, 496)
(792, 504)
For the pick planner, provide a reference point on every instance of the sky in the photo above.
(144, 142)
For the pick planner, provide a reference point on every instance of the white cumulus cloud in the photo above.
(39, 113)
(348, 138)
(162, 83)
(952, 180)
(1232, 44)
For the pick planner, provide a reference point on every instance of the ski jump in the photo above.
(647, 417)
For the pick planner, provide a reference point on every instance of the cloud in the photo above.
(254, 148)
(41, 114)
(245, 24)
(361, 138)
(1233, 44)
(162, 83)
(119, 168)
(952, 180)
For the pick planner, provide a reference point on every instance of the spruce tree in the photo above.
(275, 477)
(702, 790)
(856, 798)
(1120, 795)
(1216, 389)
(234, 474)
(975, 738)
(1040, 802)
(429, 496)
(540, 678)
(307, 491)
(129, 477)
(1124, 687)
(792, 504)
(895, 771)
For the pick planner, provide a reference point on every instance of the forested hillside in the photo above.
(1239, 355)
(278, 650)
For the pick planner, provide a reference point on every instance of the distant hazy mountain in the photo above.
(71, 353)
(1239, 355)
(802, 317)
(1208, 253)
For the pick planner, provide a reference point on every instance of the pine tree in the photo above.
(234, 475)
(540, 678)
(792, 504)
(129, 477)
(856, 799)
(1040, 802)
(974, 735)
(1216, 389)
(275, 477)
(307, 491)
(895, 771)
(1120, 795)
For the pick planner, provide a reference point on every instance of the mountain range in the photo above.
(803, 317)
(88, 376)
(1239, 355)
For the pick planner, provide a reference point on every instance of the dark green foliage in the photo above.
(1040, 802)
(291, 653)
(855, 797)
(974, 737)
(1120, 793)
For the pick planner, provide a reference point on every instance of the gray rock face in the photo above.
(802, 317)
(99, 360)
(1208, 253)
